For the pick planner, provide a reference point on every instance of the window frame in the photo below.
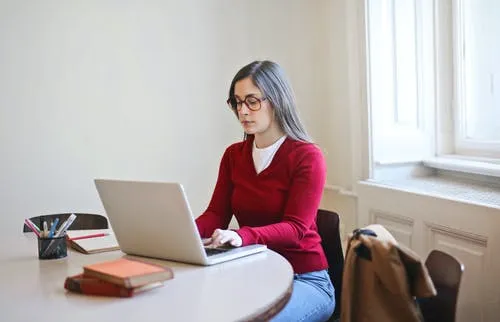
(447, 146)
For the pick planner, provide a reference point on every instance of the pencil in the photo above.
(32, 226)
(90, 236)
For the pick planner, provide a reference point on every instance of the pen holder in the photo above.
(52, 248)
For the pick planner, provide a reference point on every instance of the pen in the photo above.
(42, 232)
(90, 236)
(61, 227)
(53, 227)
(45, 230)
(65, 226)
(32, 226)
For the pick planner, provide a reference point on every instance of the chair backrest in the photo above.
(82, 221)
(446, 273)
(328, 229)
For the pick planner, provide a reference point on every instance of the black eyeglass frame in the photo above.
(237, 105)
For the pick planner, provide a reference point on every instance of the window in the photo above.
(400, 79)
(477, 52)
(434, 81)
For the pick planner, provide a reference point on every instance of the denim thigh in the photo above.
(313, 299)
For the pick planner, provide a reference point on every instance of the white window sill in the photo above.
(490, 168)
(449, 177)
(455, 189)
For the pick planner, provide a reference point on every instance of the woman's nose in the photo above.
(244, 109)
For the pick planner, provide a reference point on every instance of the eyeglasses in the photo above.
(253, 103)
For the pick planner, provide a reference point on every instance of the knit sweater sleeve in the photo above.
(307, 183)
(218, 213)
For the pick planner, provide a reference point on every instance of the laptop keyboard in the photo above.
(215, 251)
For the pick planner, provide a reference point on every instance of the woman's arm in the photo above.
(306, 190)
(219, 213)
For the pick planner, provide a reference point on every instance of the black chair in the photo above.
(446, 274)
(328, 229)
(82, 221)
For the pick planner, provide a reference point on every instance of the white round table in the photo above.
(253, 288)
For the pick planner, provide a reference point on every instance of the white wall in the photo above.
(136, 90)
(344, 129)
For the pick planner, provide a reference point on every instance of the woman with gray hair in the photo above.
(272, 182)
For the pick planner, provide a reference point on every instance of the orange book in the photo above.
(95, 286)
(128, 272)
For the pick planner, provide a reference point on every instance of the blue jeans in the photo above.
(313, 299)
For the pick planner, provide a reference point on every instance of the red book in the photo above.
(95, 286)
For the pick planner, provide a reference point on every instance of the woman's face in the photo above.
(254, 122)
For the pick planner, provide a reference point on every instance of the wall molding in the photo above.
(401, 227)
(476, 239)
(375, 213)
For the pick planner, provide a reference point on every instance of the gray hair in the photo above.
(271, 80)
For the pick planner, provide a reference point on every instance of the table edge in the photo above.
(275, 307)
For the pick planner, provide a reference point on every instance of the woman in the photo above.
(272, 182)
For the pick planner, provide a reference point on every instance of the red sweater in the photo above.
(276, 207)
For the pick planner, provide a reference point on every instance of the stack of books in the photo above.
(122, 277)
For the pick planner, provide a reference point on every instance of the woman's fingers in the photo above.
(221, 237)
(216, 237)
(224, 239)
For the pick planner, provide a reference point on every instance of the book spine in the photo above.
(123, 282)
(92, 286)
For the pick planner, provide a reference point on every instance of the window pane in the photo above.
(406, 59)
(393, 59)
(481, 77)
(399, 47)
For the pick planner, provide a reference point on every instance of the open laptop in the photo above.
(153, 219)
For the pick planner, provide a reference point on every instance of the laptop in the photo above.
(153, 219)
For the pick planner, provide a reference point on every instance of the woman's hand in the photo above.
(221, 237)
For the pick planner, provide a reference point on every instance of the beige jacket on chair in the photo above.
(382, 289)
